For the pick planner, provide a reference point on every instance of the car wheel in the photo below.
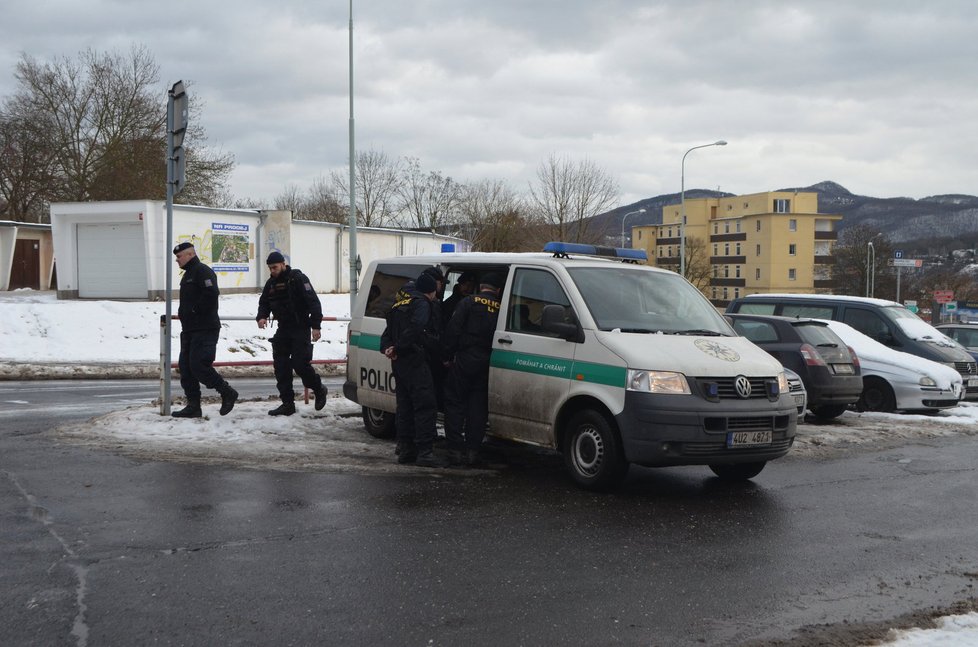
(738, 471)
(828, 411)
(379, 424)
(877, 396)
(592, 451)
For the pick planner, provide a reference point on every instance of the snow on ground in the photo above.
(37, 327)
(951, 631)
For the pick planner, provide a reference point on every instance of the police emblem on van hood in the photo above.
(717, 350)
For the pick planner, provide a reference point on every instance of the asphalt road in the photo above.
(98, 549)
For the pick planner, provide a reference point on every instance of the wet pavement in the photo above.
(101, 549)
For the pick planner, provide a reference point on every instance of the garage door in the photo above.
(112, 261)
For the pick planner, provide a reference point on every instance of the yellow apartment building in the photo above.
(747, 244)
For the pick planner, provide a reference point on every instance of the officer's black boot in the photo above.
(320, 397)
(284, 409)
(457, 458)
(228, 397)
(405, 452)
(192, 410)
(428, 458)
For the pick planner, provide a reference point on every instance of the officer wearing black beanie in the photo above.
(289, 296)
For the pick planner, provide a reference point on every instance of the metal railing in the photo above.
(256, 362)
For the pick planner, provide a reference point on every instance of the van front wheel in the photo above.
(593, 452)
(379, 424)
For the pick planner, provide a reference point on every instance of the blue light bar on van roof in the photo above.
(625, 254)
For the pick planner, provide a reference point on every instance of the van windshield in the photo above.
(630, 299)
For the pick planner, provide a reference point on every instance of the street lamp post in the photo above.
(682, 200)
(623, 218)
(870, 268)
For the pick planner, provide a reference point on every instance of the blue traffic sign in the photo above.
(897, 253)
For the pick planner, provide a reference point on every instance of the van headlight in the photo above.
(783, 386)
(927, 381)
(657, 382)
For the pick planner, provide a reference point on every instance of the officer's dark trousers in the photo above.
(292, 351)
(197, 349)
(416, 403)
(466, 406)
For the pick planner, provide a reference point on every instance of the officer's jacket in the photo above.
(293, 301)
(408, 322)
(198, 297)
(468, 338)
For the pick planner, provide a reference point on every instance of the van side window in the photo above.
(813, 312)
(388, 279)
(869, 323)
(532, 290)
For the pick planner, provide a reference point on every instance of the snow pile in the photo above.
(36, 327)
(951, 631)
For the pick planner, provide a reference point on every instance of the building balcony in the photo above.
(724, 238)
(668, 241)
(824, 260)
(824, 284)
(728, 260)
(826, 235)
(728, 283)
(667, 260)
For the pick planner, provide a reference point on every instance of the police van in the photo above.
(602, 359)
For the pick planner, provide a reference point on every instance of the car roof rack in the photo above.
(626, 255)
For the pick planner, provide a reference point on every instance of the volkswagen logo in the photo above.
(743, 386)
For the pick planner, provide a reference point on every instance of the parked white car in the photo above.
(895, 381)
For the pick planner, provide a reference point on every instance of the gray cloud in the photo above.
(878, 95)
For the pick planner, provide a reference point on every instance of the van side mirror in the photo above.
(554, 319)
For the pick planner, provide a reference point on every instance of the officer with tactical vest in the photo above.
(468, 346)
(409, 343)
(289, 296)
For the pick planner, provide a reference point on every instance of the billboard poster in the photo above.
(229, 247)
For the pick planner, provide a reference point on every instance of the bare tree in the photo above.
(378, 180)
(851, 272)
(429, 199)
(699, 271)
(495, 219)
(568, 194)
(97, 125)
(317, 203)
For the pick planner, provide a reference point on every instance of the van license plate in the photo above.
(748, 438)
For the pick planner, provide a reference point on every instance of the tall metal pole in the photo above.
(623, 219)
(353, 184)
(168, 296)
(682, 201)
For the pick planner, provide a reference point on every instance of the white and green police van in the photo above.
(604, 360)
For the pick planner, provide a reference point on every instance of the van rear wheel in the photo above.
(379, 424)
(592, 451)
(738, 471)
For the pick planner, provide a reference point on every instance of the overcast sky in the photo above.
(880, 96)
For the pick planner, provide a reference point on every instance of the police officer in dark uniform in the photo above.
(200, 329)
(468, 345)
(289, 296)
(433, 330)
(407, 342)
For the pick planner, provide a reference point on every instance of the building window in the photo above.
(791, 274)
(714, 294)
(737, 271)
(746, 205)
(782, 206)
(726, 227)
(792, 225)
(757, 274)
(716, 271)
(738, 227)
(737, 253)
(640, 234)
(758, 223)
(758, 252)
(726, 249)
(736, 293)
(792, 249)
(726, 271)
(716, 228)
(715, 249)
(725, 293)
